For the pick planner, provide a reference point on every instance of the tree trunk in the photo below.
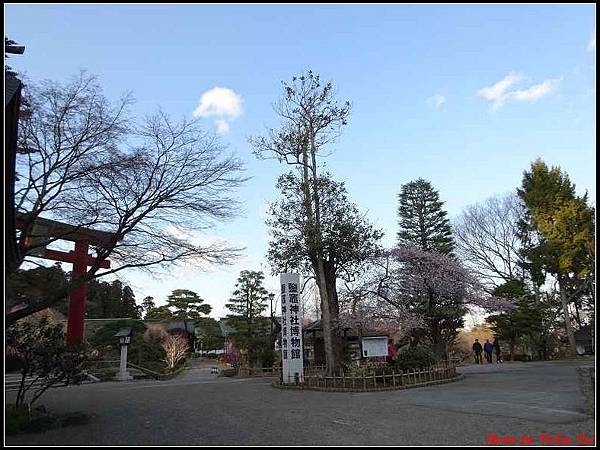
(511, 348)
(437, 345)
(334, 309)
(328, 338)
(568, 326)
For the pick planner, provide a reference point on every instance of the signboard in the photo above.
(374, 346)
(292, 357)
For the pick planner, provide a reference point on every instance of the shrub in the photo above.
(41, 352)
(146, 353)
(366, 368)
(104, 338)
(23, 420)
(267, 356)
(413, 358)
(155, 334)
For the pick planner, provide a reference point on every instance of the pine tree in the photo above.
(159, 313)
(187, 304)
(423, 222)
(250, 299)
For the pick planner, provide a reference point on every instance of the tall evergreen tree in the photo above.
(558, 234)
(148, 304)
(128, 307)
(250, 299)
(422, 219)
(187, 304)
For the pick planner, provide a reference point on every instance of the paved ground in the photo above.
(512, 399)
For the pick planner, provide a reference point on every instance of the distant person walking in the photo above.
(477, 349)
(497, 350)
(488, 348)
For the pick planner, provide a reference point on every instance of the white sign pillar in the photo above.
(292, 350)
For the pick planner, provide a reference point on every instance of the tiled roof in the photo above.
(11, 86)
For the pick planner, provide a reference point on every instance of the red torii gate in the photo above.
(83, 238)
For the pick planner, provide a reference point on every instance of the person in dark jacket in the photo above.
(477, 349)
(497, 350)
(488, 348)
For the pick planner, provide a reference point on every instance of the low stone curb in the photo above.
(278, 385)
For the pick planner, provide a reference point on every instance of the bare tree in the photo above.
(487, 239)
(156, 187)
(176, 348)
(66, 132)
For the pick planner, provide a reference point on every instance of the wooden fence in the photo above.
(276, 371)
(384, 379)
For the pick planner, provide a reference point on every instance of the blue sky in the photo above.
(465, 96)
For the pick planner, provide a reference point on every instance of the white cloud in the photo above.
(436, 101)
(592, 42)
(534, 92)
(220, 102)
(498, 94)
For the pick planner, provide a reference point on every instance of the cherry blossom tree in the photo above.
(410, 290)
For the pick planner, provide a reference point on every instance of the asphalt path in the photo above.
(508, 400)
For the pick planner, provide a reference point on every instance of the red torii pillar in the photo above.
(80, 260)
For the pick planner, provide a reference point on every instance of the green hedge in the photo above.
(413, 358)
(20, 420)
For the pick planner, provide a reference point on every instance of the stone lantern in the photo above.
(124, 336)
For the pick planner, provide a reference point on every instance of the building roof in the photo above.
(187, 325)
(318, 326)
(227, 329)
(11, 86)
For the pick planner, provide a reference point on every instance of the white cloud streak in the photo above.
(592, 42)
(499, 93)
